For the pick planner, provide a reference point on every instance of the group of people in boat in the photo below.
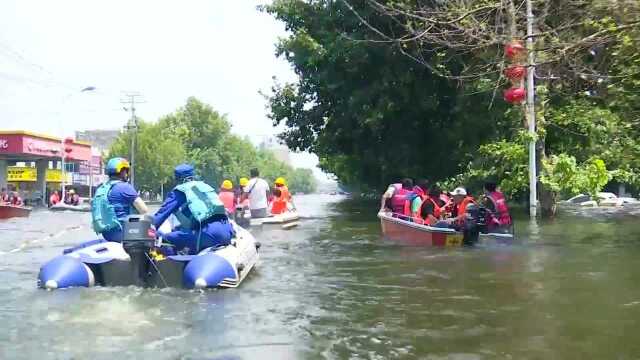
(256, 195)
(70, 198)
(429, 205)
(202, 212)
(10, 198)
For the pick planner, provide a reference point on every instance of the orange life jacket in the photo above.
(462, 207)
(228, 199)
(278, 206)
(437, 211)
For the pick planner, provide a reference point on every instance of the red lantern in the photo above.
(515, 72)
(515, 95)
(68, 150)
(514, 50)
(68, 141)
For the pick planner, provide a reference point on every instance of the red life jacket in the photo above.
(502, 210)
(437, 211)
(399, 200)
(228, 199)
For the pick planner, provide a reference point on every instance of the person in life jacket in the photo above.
(395, 197)
(496, 202)
(54, 198)
(72, 198)
(15, 199)
(415, 200)
(431, 208)
(243, 182)
(285, 196)
(227, 196)
(202, 215)
(456, 209)
(114, 200)
(279, 204)
(4, 196)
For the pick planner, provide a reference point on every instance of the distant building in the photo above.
(280, 151)
(99, 139)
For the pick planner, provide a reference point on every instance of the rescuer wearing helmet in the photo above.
(202, 215)
(113, 201)
(227, 196)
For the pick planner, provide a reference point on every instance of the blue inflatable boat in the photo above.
(138, 261)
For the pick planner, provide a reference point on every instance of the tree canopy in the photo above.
(197, 134)
(411, 88)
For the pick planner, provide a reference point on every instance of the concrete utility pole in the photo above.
(531, 114)
(131, 100)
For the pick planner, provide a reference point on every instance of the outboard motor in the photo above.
(476, 221)
(137, 243)
(242, 216)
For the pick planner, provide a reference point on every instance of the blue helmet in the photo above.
(116, 165)
(184, 171)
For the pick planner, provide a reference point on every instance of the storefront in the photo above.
(41, 155)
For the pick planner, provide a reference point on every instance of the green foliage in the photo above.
(157, 152)
(370, 113)
(563, 175)
(201, 136)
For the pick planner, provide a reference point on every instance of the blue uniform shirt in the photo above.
(122, 194)
(174, 200)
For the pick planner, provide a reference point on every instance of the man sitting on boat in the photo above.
(72, 198)
(15, 199)
(395, 198)
(431, 208)
(114, 200)
(54, 198)
(496, 202)
(455, 211)
(4, 196)
(203, 218)
(416, 198)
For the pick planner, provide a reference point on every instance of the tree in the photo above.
(157, 153)
(371, 114)
(201, 136)
(405, 87)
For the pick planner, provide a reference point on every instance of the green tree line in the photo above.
(396, 88)
(197, 134)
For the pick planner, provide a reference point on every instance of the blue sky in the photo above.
(221, 51)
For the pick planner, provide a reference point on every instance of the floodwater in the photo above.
(334, 289)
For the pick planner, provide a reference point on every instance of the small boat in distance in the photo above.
(10, 211)
(397, 228)
(65, 207)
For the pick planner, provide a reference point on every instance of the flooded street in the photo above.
(334, 289)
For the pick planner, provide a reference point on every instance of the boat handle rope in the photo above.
(158, 270)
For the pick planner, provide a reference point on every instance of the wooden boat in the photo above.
(399, 229)
(11, 211)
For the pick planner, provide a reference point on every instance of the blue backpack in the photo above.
(103, 214)
(202, 201)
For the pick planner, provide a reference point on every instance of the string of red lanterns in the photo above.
(516, 53)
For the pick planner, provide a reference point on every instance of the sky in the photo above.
(220, 51)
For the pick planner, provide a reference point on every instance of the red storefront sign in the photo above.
(26, 145)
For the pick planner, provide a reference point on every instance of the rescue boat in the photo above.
(66, 207)
(137, 261)
(399, 228)
(286, 218)
(10, 211)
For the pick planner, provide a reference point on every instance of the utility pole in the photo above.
(531, 114)
(131, 99)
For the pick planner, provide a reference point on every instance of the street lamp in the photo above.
(65, 144)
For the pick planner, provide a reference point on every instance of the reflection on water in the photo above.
(332, 288)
